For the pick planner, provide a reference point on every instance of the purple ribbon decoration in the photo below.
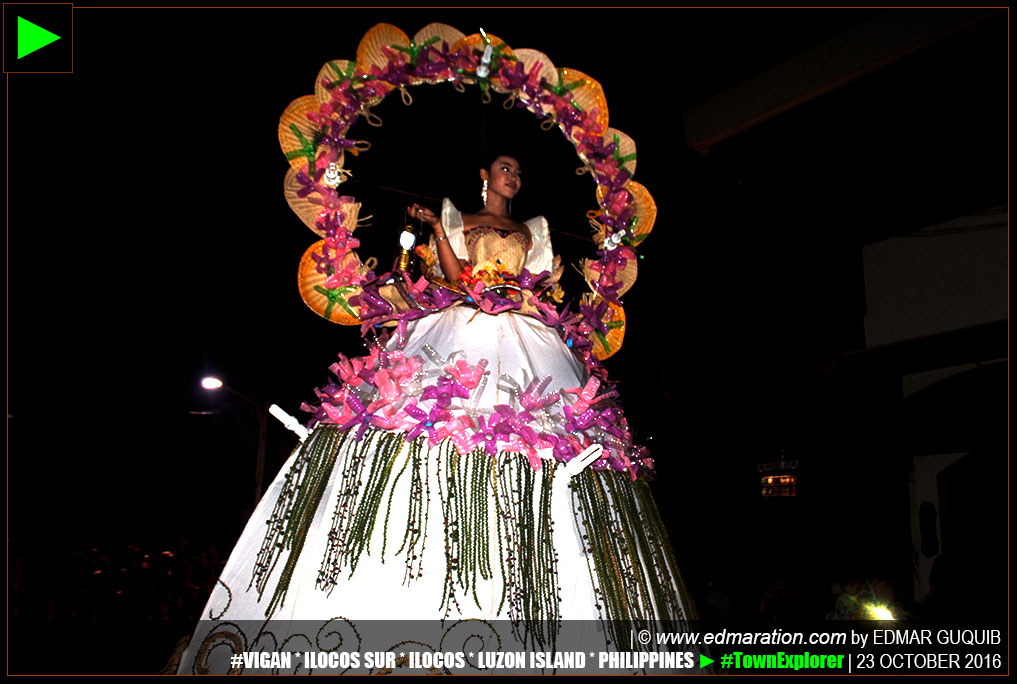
(444, 391)
(491, 303)
(485, 432)
(531, 398)
(361, 416)
(426, 421)
(594, 316)
(308, 185)
(516, 422)
(435, 63)
(563, 450)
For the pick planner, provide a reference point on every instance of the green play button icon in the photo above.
(32, 37)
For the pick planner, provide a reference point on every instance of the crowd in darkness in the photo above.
(113, 608)
(119, 583)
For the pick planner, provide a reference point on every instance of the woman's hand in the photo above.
(427, 216)
(450, 264)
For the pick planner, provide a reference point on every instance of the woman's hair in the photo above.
(487, 159)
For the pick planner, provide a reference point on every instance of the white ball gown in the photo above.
(432, 488)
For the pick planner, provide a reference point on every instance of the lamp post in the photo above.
(212, 383)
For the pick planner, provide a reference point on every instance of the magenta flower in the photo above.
(426, 422)
(361, 416)
(531, 398)
(460, 430)
(444, 391)
(484, 432)
(465, 374)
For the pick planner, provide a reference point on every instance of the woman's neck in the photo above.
(496, 206)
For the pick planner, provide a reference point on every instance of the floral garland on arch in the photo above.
(338, 286)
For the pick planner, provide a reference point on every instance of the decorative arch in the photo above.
(313, 135)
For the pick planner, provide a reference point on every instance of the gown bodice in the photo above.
(497, 250)
(484, 245)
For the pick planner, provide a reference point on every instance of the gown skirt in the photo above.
(384, 528)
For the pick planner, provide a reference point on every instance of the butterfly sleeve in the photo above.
(452, 222)
(541, 257)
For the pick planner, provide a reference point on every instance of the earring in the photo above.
(483, 193)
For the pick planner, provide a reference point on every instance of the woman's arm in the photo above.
(451, 265)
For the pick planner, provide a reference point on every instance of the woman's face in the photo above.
(504, 177)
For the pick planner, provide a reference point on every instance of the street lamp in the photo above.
(213, 383)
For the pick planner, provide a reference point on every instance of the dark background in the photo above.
(149, 244)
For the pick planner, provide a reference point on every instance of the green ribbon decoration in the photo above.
(618, 158)
(306, 148)
(563, 88)
(414, 50)
(343, 75)
(613, 325)
(496, 57)
(337, 295)
(635, 239)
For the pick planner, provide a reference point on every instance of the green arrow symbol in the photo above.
(32, 37)
(704, 661)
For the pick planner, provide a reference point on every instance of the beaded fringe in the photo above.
(631, 563)
(634, 571)
(294, 510)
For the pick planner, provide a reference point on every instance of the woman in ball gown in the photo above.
(471, 467)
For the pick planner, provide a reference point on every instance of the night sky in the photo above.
(149, 244)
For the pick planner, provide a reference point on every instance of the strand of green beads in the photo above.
(581, 511)
(459, 497)
(413, 513)
(366, 514)
(684, 609)
(479, 524)
(423, 510)
(416, 517)
(552, 586)
(388, 507)
(497, 487)
(305, 504)
(271, 545)
(348, 491)
(540, 572)
(453, 518)
(509, 525)
(322, 453)
(599, 535)
(481, 475)
(522, 569)
(638, 552)
(469, 531)
(444, 481)
(464, 533)
(528, 546)
(629, 599)
(541, 568)
(472, 534)
(653, 539)
(583, 525)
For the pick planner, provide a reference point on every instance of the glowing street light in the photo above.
(211, 383)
